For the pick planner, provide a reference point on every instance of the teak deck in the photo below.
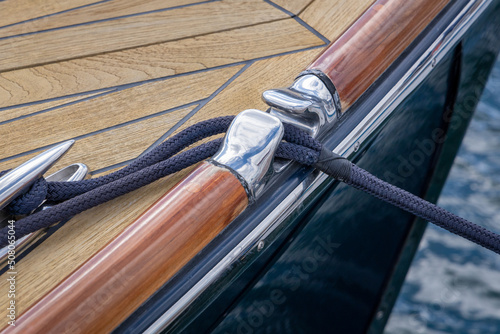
(119, 77)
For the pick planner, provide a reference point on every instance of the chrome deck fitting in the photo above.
(21, 178)
(249, 146)
(307, 103)
(18, 180)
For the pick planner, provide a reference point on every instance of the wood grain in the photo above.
(114, 144)
(15, 11)
(10, 114)
(293, 6)
(131, 32)
(151, 62)
(113, 283)
(97, 11)
(112, 109)
(355, 60)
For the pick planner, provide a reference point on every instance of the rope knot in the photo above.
(26, 203)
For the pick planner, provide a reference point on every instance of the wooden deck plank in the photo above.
(12, 113)
(293, 6)
(245, 91)
(114, 146)
(98, 11)
(130, 32)
(110, 110)
(151, 62)
(15, 11)
(332, 18)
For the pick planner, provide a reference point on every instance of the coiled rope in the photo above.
(78, 196)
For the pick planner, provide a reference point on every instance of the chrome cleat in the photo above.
(249, 146)
(21, 178)
(307, 104)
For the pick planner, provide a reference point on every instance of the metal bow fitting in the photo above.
(307, 104)
(20, 179)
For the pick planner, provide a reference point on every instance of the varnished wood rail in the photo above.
(106, 289)
(355, 60)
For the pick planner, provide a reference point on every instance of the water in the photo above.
(453, 286)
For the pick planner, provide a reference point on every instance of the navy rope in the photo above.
(166, 159)
(359, 178)
(82, 195)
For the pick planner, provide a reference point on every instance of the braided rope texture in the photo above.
(82, 195)
(61, 191)
(368, 183)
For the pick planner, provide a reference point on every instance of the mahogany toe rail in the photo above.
(100, 294)
(355, 60)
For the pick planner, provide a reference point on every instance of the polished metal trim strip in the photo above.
(417, 73)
